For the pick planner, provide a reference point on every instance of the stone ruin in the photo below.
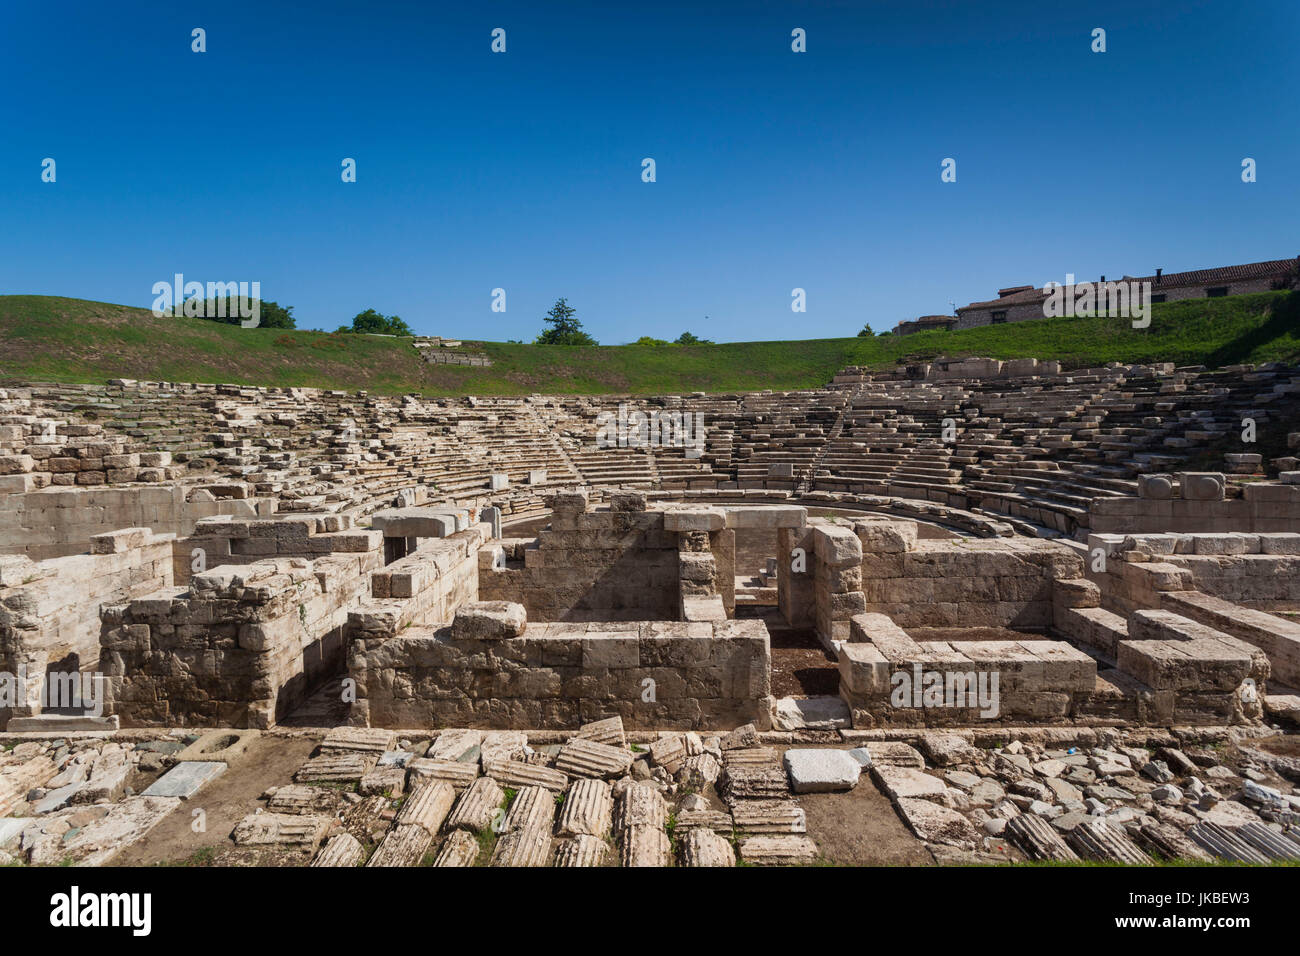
(261, 559)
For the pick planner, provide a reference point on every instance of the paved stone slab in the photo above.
(821, 771)
(185, 779)
(935, 823)
(901, 782)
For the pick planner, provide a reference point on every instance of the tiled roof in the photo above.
(1250, 270)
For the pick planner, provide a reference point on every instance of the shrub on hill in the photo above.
(371, 322)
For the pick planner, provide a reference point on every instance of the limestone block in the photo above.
(580, 851)
(837, 546)
(340, 850)
(568, 503)
(460, 849)
(489, 620)
(695, 519)
(703, 847)
(886, 537)
(478, 806)
(821, 770)
(1159, 487)
(587, 809)
(1202, 486)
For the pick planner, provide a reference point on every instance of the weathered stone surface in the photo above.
(946, 750)
(514, 774)
(300, 831)
(641, 805)
(337, 766)
(582, 850)
(607, 731)
(741, 737)
(297, 798)
(702, 847)
(821, 771)
(1168, 841)
(885, 753)
(533, 808)
(699, 771)
(644, 846)
(1037, 840)
(404, 845)
(778, 850)
(364, 739)
(489, 621)
(900, 782)
(459, 849)
(459, 773)
(456, 745)
(101, 840)
(588, 809)
(935, 823)
(669, 751)
(390, 780)
(1098, 840)
(478, 806)
(498, 745)
(427, 806)
(1222, 843)
(529, 847)
(767, 816)
(185, 779)
(342, 850)
(752, 783)
(586, 758)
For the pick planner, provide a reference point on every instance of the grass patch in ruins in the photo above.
(47, 338)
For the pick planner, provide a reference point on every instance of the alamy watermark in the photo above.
(216, 300)
(1128, 298)
(659, 428)
(56, 690)
(971, 690)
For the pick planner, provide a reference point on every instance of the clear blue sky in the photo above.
(522, 170)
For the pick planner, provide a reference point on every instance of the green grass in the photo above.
(45, 338)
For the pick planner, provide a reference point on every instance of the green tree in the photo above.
(375, 323)
(866, 332)
(271, 315)
(688, 338)
(650, 340)
(565, 329)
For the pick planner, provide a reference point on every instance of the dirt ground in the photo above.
(801, 667)
(268, 761)
(861, 828)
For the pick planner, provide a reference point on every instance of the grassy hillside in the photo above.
(45, 338)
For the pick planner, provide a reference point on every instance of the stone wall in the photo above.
(654, 674)
(239, 648)
(1261, 507)
(884, 673)
(60, 521)
(49, 611)
(961, 583)
(228, 540)
(616, 565)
